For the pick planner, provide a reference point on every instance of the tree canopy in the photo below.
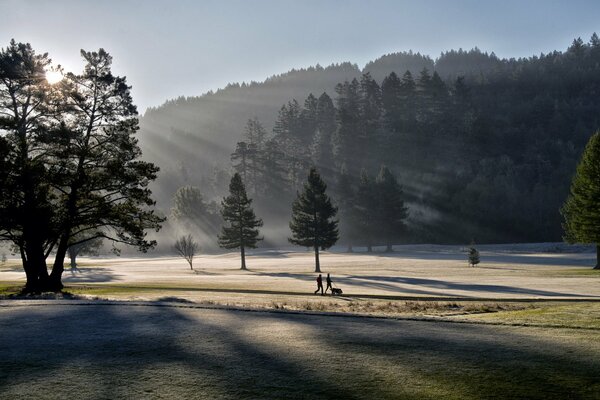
(73, 163)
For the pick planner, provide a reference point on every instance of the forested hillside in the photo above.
(484, 147)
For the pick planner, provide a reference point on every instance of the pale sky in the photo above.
(172, 48)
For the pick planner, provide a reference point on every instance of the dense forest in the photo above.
(482, 148)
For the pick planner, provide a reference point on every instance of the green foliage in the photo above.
(242, 231)
(313, 224)
(581, 210)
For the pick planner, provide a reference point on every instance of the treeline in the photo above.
(485, 157)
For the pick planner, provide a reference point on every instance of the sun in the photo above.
(53, 76)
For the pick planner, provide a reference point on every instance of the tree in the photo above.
(190, 209)
(89, 247)
(581, 209)
(186, 247)
(96, 166)
(3, 258)
(391, 212)
(366, 210)
(312, 222)
(473, 256)
(74, 160)
(242, 231)
(27, 111)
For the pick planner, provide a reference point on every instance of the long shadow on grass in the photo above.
(391, 283)
(104, 351)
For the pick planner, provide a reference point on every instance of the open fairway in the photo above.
(139, 351)
(415, 324)
(506, 272)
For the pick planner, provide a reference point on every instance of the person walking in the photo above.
(328, 280)
(319, 284)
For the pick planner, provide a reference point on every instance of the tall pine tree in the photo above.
(582, 208)
(242, 231)
(313, 224)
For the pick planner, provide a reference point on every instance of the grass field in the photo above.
(416, 324)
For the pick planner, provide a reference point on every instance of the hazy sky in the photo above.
(173, 48)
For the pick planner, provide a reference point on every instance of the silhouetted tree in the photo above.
(75, 168)
(312, 221)
(581, 209)
(242, 231)
(101, 182)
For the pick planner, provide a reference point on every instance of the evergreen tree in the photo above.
(322, 147)
(581, 210)
(312, 221)
(391, 211)
(191, 210)
(346, 149)
(366, 210)
(346, 198)
(473, 256)
(242, 231)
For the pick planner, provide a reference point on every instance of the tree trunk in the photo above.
(389, 248)
(317, 264)
(597, 256)
(369, 249)
(73, 258)
(35, 267)
(55, 283)
(350, 249)
(243, 257)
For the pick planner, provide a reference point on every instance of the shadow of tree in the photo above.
(124, 351)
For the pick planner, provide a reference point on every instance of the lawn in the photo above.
(126, 351)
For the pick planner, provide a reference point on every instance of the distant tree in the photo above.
(190, 209)
(255, 135)
(347, 149)
(89, 247)
(581, 209)
(242, 231)
(346, 200)
(186, 247)
(3, 258)
(366, 210)
(241, 157)
(312, 221)
(391, 212)
(473, 256)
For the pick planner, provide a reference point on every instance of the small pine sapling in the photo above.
(473, 256)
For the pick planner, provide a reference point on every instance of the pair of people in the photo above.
(320, 284)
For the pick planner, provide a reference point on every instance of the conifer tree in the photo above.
(473, 256)
(312, 222)
(242, 231)
(581, 211)
(391, 212)
(365, 209)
